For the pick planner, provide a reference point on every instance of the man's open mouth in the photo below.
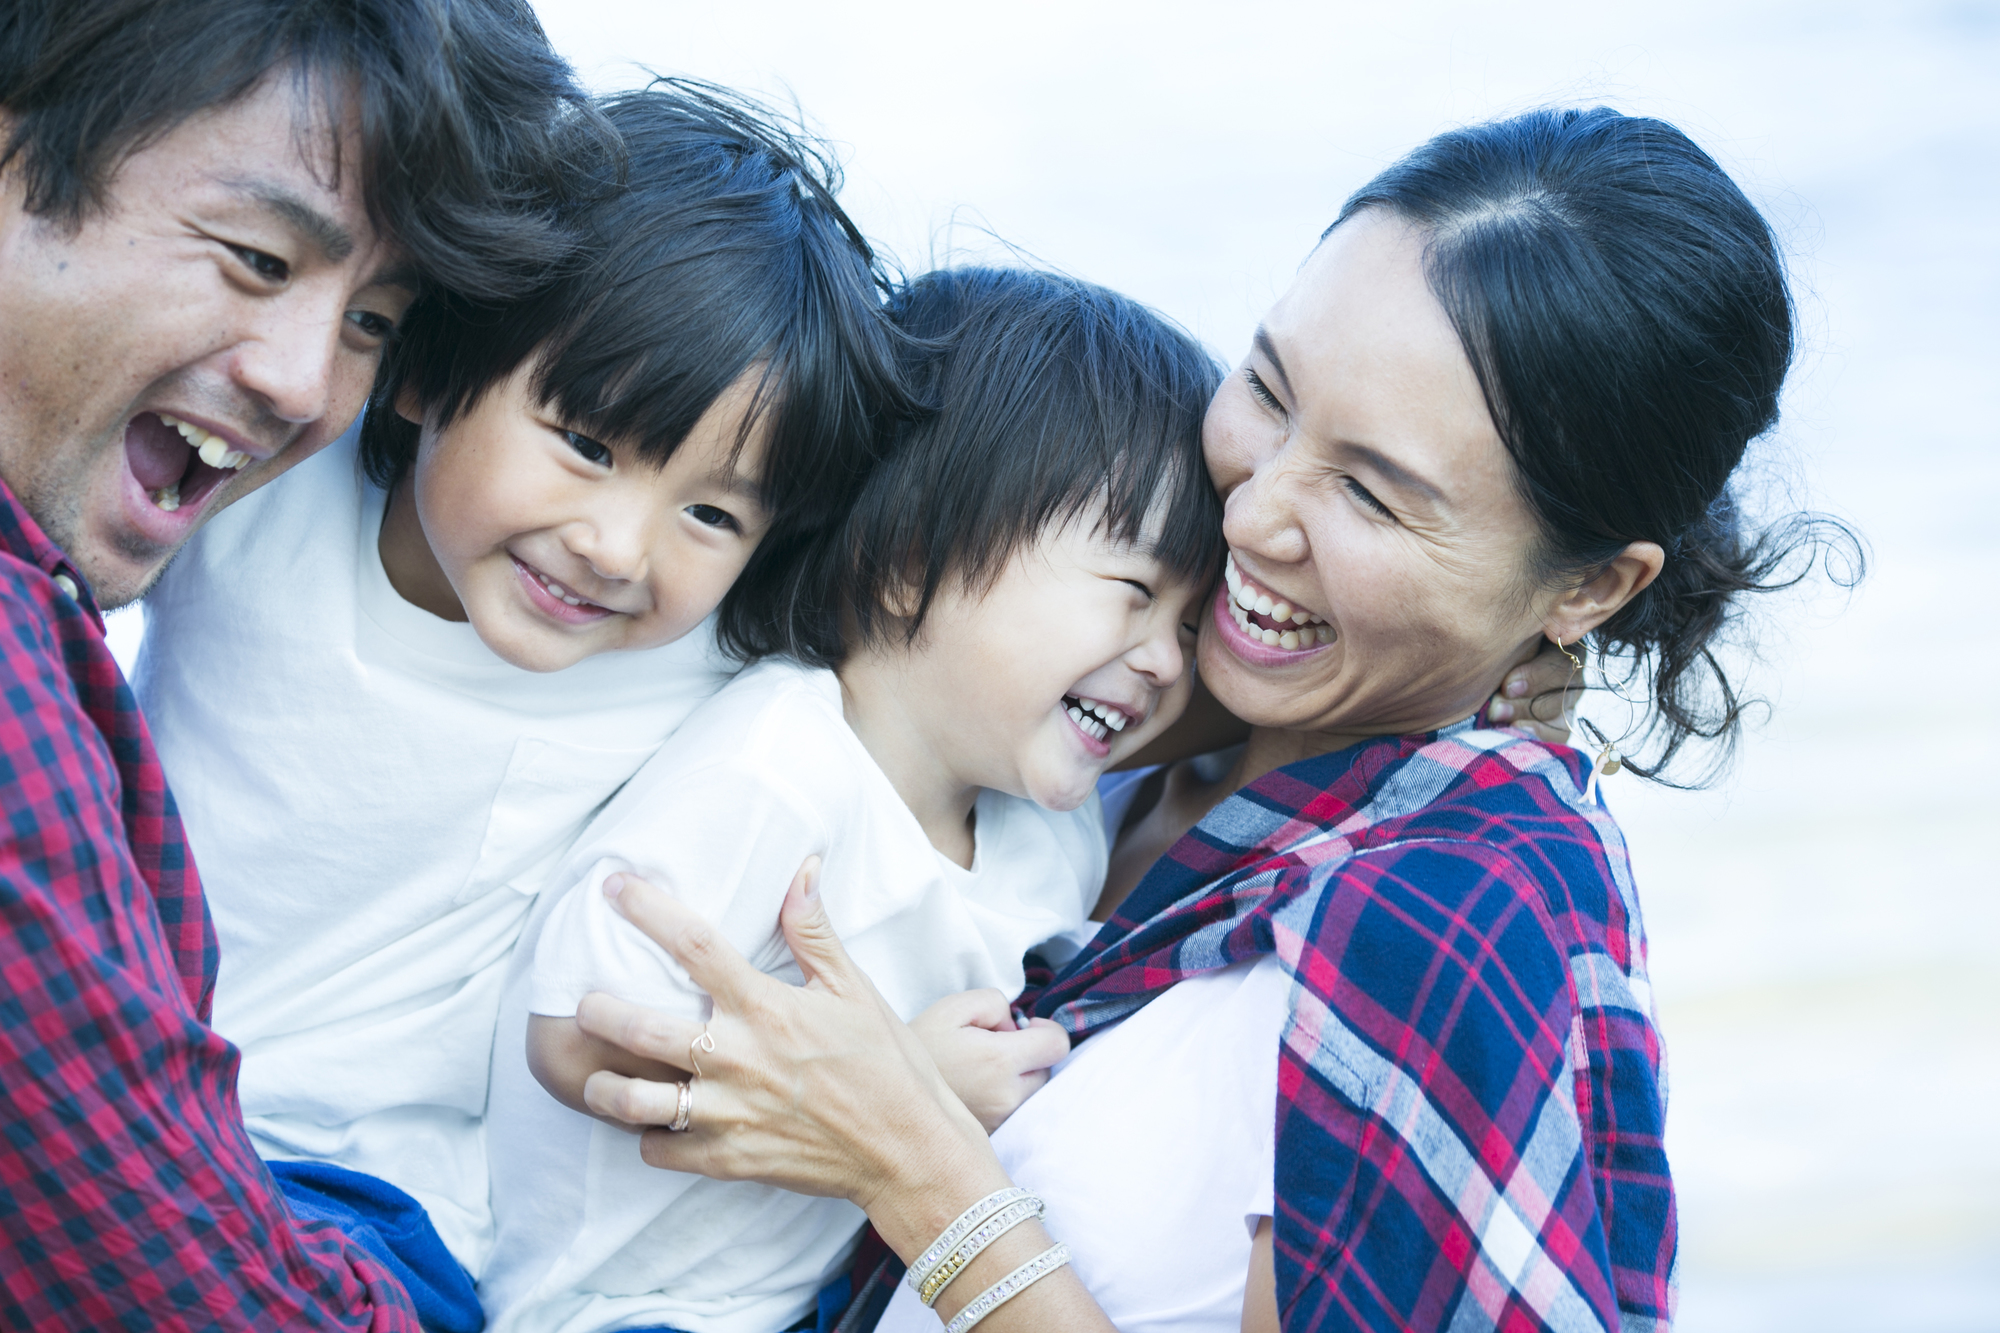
(177, 462)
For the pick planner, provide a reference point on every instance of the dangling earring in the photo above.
(1575, 670)
(1608, 760)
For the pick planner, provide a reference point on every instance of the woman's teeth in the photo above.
(1272, 620)
(1094, 719)
(214, 451)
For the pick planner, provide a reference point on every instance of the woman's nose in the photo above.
(1258, 513)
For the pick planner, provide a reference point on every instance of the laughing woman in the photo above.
(1370, 1044)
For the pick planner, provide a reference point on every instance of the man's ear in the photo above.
(1602, 596)
(407, 406)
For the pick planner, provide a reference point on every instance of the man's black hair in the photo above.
(465, 114)
(1045, 400)
(717, 251)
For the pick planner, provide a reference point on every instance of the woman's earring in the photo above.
(1608, 760)
(1575, 670)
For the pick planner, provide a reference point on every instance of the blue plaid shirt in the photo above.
(1470, 1091)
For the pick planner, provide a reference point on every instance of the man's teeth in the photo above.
(214, 450)
(168, 497)
(1097, 720)
(1247, 599)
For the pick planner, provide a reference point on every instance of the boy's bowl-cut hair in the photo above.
(713, 246)
(465, 114)
(1044, 400)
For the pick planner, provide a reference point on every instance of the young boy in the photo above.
(1004, 614)
(390, 691)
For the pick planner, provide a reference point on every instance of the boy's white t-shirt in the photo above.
(764, 775)
(373, 798)
(1153, 1148)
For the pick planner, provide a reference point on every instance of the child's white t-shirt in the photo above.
(373, 798)
(764, 775)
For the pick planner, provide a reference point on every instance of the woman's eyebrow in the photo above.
(1393, 471)
(1262, 342)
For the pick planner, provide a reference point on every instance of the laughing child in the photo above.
(391, 690)
(1005, 613)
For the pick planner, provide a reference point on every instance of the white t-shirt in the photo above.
(765, 774)
(1153, 1148)
(373, 798)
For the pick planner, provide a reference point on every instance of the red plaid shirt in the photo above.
(130, 1196)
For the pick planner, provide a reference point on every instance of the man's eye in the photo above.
(714, 518)
(268, 267)
(589, 450)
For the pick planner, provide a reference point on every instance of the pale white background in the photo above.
(1824, 922)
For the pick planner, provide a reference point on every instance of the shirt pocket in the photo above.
(547, 795)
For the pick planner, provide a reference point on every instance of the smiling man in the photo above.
(212, 215)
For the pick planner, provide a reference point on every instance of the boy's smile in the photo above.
(1073, 658)
(556, 546)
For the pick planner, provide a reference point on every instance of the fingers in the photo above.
(632, 1101)
(1038, 1045)
(711, 961)
(819, 952)
(648, 1033)
(986, 1008)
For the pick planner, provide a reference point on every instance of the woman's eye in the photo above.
(378, 327)
(1262, 391)
(588, 449)
(266, 266)
(1367, 498)
(712, 517)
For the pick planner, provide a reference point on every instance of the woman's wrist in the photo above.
(933, 1180)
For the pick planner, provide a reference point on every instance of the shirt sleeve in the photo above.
(726, 840)
(1432, 1165)
(130, 1195)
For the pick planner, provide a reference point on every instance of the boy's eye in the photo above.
(588, 449)
(1144, 591)
(714, 518)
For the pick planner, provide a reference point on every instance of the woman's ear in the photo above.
(407, 406)
(1597, 599)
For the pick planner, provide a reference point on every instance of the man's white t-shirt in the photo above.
(1153, 1148)
(373, 798)
(764, 775)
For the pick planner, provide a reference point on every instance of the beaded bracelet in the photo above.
(923, 1264)
(969, 1249)
(1016, 1282)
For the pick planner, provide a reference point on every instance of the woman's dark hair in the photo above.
(464, 112)
(1626, 311)
(1044, 400)
(713, 248)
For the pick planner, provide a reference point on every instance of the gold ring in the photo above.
(684, 1111)
(703, 1043)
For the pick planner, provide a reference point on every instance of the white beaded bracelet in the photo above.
(1016, 1282)
(992, 1229)
(923, 1264)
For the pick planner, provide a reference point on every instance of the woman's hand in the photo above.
(1539, 696)
(818, 1089)
(989, 1063)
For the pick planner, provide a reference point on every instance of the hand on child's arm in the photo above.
(992, 1065)
(563, 1056)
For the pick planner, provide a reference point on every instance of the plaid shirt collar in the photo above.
(22, 537)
